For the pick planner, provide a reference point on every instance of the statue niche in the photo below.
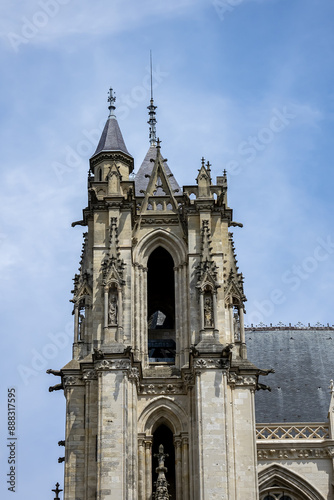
(236, 324)
(208, 311)
(82, 324)
(112, 308)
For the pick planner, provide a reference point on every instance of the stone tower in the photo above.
(159, 354)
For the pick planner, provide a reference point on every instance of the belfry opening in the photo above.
(161, 306)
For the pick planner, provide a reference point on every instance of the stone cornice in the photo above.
(294, 450)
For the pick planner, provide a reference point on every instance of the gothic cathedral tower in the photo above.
(159, 385)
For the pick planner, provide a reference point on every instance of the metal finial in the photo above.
(203, 161)
(57, 491)
(111, 100)
(225, 172)
(158, 143)
(151, 111)
(208, 165)
(151, 74)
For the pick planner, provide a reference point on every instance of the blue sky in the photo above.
(248, 84)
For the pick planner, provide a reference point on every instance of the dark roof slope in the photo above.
(303, 362)
(111, 138)
(141, 181)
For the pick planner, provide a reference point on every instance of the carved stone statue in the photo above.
(82, 324)
(112, 310)
(236, 326)
(208, 312)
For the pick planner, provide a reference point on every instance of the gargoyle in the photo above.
(266, 372)
(57, 373)
(57, 387)
(98, 353)
(61, 459)
(263, 387)
(195, 352)
(61, 443)
(227, 349)
(128, 349)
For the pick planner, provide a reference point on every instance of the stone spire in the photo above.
(111, 139)
(151, 111)
(161, 485)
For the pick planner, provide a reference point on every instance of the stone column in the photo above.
(230, 312)
(178, 468)
(106, 299)
(76, 323)
(148, 467)
(141, 468)
(119, 316)
(201, 306)
(136, 337)
(243, 352)
(178, 309)
(215, 320)
(183, 320)
(185, 468)
(144, 311)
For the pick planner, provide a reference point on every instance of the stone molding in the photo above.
(111, 364)
(295, 453)
(166, 388)
(242, 380)
(210, 363)
(72, 380)
(89, 375)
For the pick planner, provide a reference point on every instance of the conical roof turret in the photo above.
(111, 139)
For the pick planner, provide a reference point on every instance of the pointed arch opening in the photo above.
(164, 422)
(277, 481)
(161, 306)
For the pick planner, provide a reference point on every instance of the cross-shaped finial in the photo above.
(111, 100)
(203, 161)
(208, 165)
(158, 143)
(224, 172)
(57, 491)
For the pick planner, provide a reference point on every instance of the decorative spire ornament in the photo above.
(111, 100)
(161, 485)
(57, 491)
(151, 111)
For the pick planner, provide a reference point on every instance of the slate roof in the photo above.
(111, 138)
(303, 362)
(146, 167)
